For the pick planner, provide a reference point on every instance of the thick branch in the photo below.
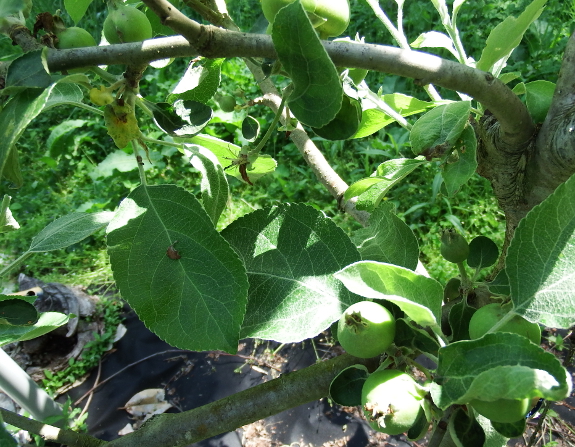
(554, 158)
(49, 432)
(224, 415)
(515, 123)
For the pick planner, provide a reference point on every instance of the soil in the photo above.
(140, 360)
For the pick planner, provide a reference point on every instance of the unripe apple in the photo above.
(126, 24)
(503, 410)
(74, 37)
(454, 247)
(487, 316)
(391, 401)
(366, 329)
(336, 13)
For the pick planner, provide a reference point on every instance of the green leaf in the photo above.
(250, 128)
(16, 311)
(506, 36)
(76, 8)
(345, 389)
(68, 230)
(483, 252)
(228, 152)
(6, 439)
(47, 322)
(290, 253)
(538, 97)
(387, 239)
(345, 123)
(196, 302)
(499, 365)
(15, 116)
(200, 82)
(465, 431)
(540, 262)
(7, 221)
(374, 119)
(182, 119)
(65, 93)
(414, 338)
(492, 437)
(459, 316)
(28, 71)
(214, 185)
(317, 96)
(118, 160)
(12, 171)
(157, 27)
(461, 164)
(61, 138)
(436, 132)
(435, 39)
(373, 189)
(418, 296)
(500, 285)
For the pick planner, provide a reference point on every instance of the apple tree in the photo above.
(287, 273)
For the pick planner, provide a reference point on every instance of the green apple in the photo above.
(336, 14)
(487, 316)
(503, 410)
(366, 329)
(454, 247)
(391, 401)
(74, 37)
(126, 24)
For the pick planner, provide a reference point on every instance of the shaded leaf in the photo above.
(459, 316)
(345, 389)
(28, 71)
(538, 97)
(437, 131)
(182, 119)
(465, 431)
(483, 252)
(250, 128)
(345, 123)
(47, 322)
(461, 163)
(318, 92)
(414, 338)
(17, 312)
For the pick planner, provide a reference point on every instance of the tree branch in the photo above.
(259, 402)
(554, 158)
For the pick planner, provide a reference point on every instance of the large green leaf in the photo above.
(68, 230)
(437, 131)
(180, 276)
(507, 35)
(318, 92)
(214, 185)
(418, 296)
(291, 253)
(387, 239)
(47, 322)
(28, 71)
(499, 365)
(540, 261)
